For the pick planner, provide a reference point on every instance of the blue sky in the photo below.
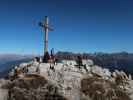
(79, 25)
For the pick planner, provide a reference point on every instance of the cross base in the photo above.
(46, 57)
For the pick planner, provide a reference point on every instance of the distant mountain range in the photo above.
(120, 61)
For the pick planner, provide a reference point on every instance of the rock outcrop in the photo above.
(97, 88)
(32, 87)
(45, 81)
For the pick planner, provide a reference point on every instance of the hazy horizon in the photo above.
(35, 54)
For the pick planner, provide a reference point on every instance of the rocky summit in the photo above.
(65, 81)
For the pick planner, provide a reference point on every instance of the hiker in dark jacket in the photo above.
(79, 61)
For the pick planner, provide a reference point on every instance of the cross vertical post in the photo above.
(46, 28)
